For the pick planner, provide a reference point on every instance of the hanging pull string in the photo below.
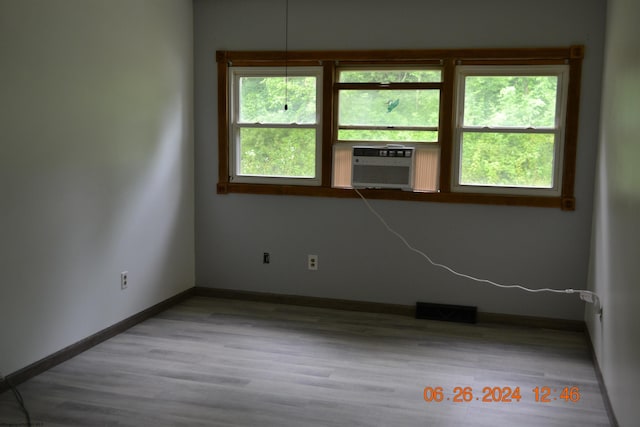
(286, 55)
(588, 296)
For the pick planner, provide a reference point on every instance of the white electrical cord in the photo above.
(19, 399)
(588, 296)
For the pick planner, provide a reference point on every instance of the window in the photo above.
(509, 129)
(275, 125)
(398, 105)
(494, 126)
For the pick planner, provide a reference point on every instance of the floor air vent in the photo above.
(449, 313)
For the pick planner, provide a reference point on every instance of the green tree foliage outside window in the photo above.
(497, 158)
(392, 108)
(278, 152)
(502, 158)
(507, 159)
(268, 150)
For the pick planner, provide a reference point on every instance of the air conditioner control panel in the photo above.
(382, 152)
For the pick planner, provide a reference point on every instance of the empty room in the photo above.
(319, 213)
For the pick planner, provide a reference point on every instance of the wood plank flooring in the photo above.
(218, 362)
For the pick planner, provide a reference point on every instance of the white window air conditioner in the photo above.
(389, 166)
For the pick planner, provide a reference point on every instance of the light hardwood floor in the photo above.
(218, 362)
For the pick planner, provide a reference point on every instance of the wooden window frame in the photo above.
(447, 59)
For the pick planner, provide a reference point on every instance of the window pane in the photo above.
(390, 76)
(262, 100)
(389, 107)
(507, 159)
(510, 101)
(281, 152)
(387, 135)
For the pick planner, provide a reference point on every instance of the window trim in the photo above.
(448, 59)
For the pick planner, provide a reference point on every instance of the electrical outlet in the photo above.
(312, 262)
(592, 298)
(266, 258)
(124, 280)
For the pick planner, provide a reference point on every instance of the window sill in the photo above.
(564, 203)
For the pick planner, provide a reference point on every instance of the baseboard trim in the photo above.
(376, 307)
(603, 388)
(533, 322)
(72, 350)
(306, 301)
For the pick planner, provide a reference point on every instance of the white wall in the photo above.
(615, 270)
(358, 259)
(96, 166)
